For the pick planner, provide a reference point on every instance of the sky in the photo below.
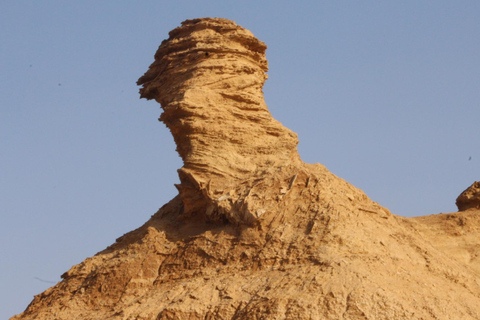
(385, 94)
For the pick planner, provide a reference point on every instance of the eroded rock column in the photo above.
(208, 77)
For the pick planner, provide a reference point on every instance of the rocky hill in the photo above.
(255, 233)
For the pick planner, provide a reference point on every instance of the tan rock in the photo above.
(208, 77)
(255, 233)
(470, 198)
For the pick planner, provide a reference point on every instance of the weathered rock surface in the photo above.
(208, 77)
(255, 233)
(470, 198)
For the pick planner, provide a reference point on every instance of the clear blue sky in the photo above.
(386, 94)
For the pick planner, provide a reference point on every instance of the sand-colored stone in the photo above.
(255, 233)
(208, 77)
(469, 198)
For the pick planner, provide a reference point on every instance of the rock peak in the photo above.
(208, 77)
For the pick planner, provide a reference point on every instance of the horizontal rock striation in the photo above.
(208, 77)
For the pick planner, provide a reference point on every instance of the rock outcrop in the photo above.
(469, 198)
(208, 77)
(255, 233)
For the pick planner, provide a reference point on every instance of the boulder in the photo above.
(469, 198)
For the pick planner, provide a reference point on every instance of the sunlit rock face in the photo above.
(208, 77)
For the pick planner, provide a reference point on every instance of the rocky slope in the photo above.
(255, 233)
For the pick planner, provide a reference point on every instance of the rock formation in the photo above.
(208, 77)
(255, 233)
(470, 198)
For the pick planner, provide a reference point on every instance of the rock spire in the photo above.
(208, 77)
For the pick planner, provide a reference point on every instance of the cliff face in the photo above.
(255, 233)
